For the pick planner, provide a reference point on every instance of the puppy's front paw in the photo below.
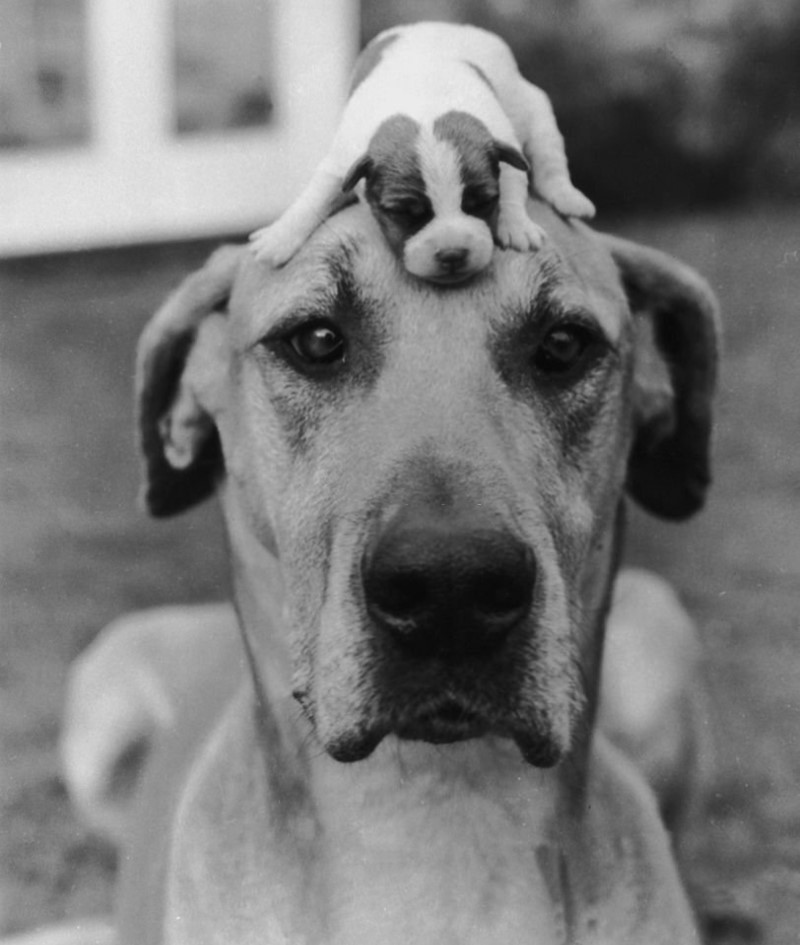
(568, 200)
(516, 230)
(273, 245)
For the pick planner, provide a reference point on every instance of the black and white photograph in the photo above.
(400, 472)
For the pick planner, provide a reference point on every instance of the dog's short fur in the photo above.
(434, 125)
(423, 494)
(654, 703)
(129, 690)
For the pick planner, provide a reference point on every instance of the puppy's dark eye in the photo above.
(317, 344)
(563, 349)
(413, 211)
(479, 205)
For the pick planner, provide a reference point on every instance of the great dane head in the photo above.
(438, 472)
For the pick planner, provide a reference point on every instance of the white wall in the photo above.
(136, 180)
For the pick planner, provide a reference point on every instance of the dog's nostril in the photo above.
(399, 595)
(501, 594)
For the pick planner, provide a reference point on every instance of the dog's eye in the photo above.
(317, 344)
(479, 205)
(414, 211)
(562, 349)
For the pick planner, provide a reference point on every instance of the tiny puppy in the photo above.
(444, 131)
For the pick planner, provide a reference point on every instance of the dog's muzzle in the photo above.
(449, 595)
(449, 250)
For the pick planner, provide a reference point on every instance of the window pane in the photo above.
(43, 83)
(222, 64)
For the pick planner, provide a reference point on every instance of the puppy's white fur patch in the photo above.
(440, 164)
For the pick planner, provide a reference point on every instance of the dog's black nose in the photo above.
(452, 259)
(447, 588)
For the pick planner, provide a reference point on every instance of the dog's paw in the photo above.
(273, 245)
(568, 200)
(517, 231)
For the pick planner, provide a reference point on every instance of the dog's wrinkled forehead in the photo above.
(347, 260)
(318, 281)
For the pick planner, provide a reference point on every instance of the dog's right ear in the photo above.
(362, 168)
(507, 154)
(177, 436)
(677, 322)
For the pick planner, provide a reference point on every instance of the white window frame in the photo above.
(136, 180)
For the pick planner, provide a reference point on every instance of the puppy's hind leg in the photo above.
(277, 243)
(535, 123)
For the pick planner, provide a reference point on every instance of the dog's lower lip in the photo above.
(354, 749)
(538, 751)
(449, 722)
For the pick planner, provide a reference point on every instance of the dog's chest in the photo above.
(438, 859)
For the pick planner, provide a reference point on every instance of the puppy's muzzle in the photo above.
(447, 586)
(452, 261)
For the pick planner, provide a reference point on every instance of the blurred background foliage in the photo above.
(665, 104)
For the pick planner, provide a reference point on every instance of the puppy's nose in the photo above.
(447, 589)
(452, 258)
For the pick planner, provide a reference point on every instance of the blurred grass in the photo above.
(738, 564)
(75, 551)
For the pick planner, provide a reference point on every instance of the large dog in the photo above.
(423, 490)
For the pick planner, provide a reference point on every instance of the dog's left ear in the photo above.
(510, 155)
(362, 168)
(677, 340)
(174, 370)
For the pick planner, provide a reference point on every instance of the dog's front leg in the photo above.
(277, 243)
(515, 229)
(544, 146)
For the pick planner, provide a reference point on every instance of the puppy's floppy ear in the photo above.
(677, 340)
(180, 444)
(508, 154)
(361, 168)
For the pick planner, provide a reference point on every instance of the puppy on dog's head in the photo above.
(437, 123)
(435, 191)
